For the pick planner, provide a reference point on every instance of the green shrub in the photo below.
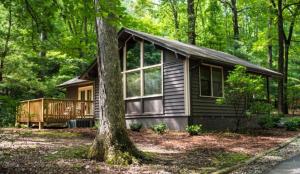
(296, 119)
(268, 121)
(291, 124)
(8, 109)
(194, 129)
(160, 128)
(136, 127)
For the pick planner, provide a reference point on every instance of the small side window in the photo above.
(205, 80)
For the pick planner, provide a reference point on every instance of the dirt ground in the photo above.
(64, 151)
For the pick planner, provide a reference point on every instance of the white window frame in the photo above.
(141, 70)
(211, 80)
(85, 89)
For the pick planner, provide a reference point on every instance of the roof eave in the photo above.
(176, 51)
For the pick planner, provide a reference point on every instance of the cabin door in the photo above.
(85, 94)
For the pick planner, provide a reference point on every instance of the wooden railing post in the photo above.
(41, 119)
(28, 109)
(74, 109)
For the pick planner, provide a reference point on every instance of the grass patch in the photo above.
(48, 134)
(226, 159)
(25, 133)
(56, 134)
(79, 152)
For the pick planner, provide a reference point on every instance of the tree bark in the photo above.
(112, 143)
(270, 45)
(287, 45)
(85, 23)
(235, 21)
(43, 39)
(6, 48)
(280, 57)
(270, 51)
(174, 8)
(191, 22)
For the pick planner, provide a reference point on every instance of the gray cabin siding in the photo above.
(173, 79)
(205, 106)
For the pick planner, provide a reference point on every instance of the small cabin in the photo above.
(165, 81)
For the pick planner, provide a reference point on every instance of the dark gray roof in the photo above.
(73, 81)
(199, 52)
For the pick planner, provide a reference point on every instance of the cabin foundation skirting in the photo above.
(222, 122)
(173, 122)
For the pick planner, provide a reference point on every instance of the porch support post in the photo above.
(41, 125)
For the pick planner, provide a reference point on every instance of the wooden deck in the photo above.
(40, 111)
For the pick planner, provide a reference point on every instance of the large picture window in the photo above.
(142, 71)
(211, 81)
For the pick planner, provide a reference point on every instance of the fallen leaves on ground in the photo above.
(63, 151)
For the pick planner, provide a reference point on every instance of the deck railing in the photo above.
(53, 110)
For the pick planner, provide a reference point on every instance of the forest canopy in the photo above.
(46, 42)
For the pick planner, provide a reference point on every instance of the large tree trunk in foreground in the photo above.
(112, 143)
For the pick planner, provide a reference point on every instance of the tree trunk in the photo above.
(270, 51)
(112, 143)
(270, 45)
(5, 51)
(85, 23)
(191, 22)
(174, 7)
(285, 78)
(280, 57)
(43, 39)
(236, 33)
(287, 44)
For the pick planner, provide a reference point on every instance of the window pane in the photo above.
(152, 81)
(152, 55)
(133, 55)
(133, 107)
(82, 95)
(205, 80)
(217, 82)
(153, 105)
(133, 84)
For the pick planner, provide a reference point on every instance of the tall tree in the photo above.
(191, 22)
(4, 53)
(234, 10)
(174, 8)
(270, 48)
(284, 42)
(112, 142)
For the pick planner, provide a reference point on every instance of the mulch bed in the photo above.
(251, 144)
